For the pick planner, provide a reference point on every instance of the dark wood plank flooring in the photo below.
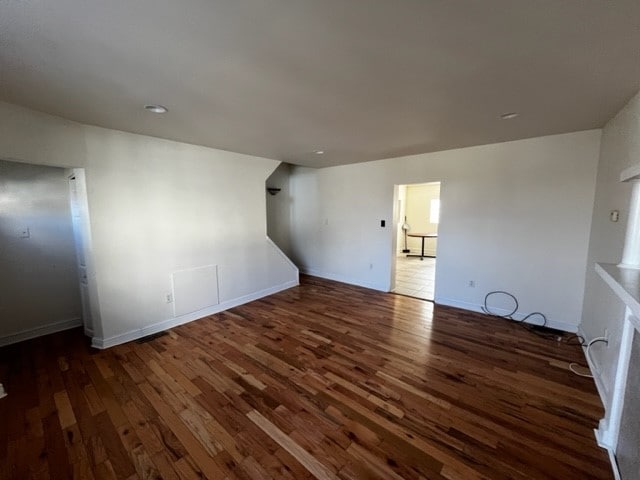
(321, 381)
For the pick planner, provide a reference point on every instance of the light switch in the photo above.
(25, 233)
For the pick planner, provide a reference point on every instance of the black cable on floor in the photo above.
(573, 365)
(523, 321)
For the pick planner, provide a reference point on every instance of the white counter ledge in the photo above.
(625, 282)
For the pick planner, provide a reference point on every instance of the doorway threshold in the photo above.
(413, 296)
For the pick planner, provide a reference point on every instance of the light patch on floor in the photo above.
(415, 277)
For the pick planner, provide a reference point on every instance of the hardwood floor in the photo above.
(321, 381)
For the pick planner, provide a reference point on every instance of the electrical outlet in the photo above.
(472, 284)
(169, 298)
(614, 215)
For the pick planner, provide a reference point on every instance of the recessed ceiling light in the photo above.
(156, 108)
(319, 152)
(509, 116)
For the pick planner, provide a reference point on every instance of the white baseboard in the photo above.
(565, 327)
(612, 455)
(40, 331)
(614, 465)
(340, 278)
(102, 343)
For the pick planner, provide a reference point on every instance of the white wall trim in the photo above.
(40, 331)
(340, 278)
(102, 343)
(614, 276)
(612, 454)
(565, 327)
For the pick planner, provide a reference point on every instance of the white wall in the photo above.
(620, 148)
(42, 266)
(418, 212)
(515, 216)
(157, 206)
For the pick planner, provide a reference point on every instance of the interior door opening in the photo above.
(38, 278)
(418, 216)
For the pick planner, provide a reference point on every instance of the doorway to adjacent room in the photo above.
(417, 242)
(42, 253)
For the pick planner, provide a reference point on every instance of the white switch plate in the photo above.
(25, 233)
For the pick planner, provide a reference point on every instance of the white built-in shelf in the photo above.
(625, 282)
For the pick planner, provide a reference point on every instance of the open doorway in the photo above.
(417, 242)
(278, 202)
(38, 278)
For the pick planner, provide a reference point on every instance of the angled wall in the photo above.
(279, 208)
(157, 207)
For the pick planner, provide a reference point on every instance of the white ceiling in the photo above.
(359, 79)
